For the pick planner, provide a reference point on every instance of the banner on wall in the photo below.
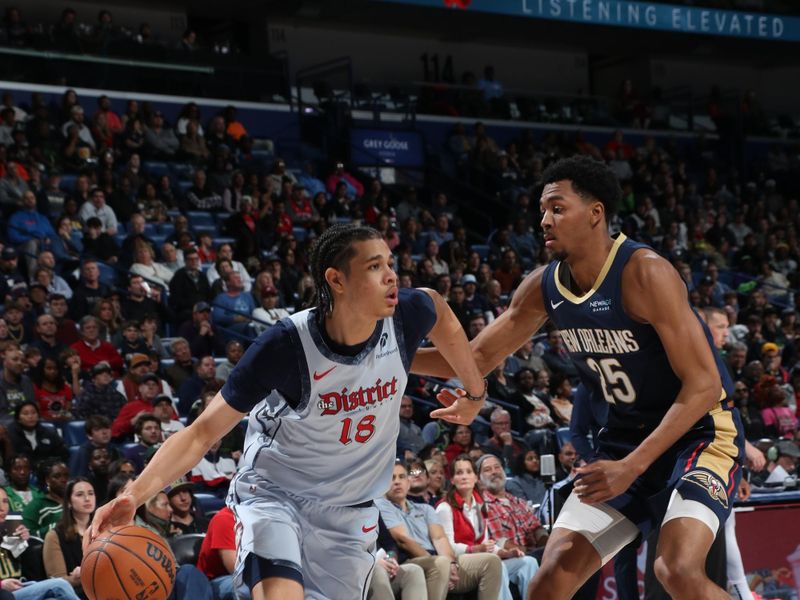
(383, 147)
(640, 15)
(771, 560)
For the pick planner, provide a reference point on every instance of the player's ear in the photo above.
(597, 213)
(335, 279)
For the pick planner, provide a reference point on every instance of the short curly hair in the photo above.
(591, 180)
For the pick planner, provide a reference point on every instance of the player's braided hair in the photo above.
(591, 179)
(334, 248)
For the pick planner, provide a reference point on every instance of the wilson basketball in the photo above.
(128, 562)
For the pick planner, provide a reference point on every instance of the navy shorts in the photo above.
(704, 465)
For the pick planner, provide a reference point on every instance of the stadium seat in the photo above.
(199, 218)
(155, 168)
(300, 234)
(208, 502)
(74, 452)
(182, 171)
(74, 433)
(67, 182)
(186, 547)
(562, 435)
(107, 273)
(50, 426)
(482, 250)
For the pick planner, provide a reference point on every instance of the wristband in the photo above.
(480, 398)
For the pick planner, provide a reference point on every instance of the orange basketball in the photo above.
(127, 563)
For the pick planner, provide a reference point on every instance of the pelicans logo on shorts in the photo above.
(712, 485)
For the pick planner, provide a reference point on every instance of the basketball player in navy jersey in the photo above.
(322, 388)
(671, 451)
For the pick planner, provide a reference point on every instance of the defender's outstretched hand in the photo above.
(459, 409)
(117, 513)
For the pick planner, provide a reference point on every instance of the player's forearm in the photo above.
(177, 456)
(688, 408)
(451, 341)
(183, 450)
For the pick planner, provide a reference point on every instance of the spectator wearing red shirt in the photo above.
(92, 350)
(53, 395)
(509, 273)
(67, 330)
(113, 122)
(299, 208)
(354, 187)
(618, 143)
(508, 518)
(283, 221)
(123, 425)
(217, 558)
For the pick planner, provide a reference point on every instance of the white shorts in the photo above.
(332, 547)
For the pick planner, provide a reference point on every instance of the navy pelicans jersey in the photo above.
(324, 425)
(618, 358)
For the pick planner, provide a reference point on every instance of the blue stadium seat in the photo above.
(219, 240)
(182, 171)
(155, 168)
(263, 156)
(150, 229)
(107, 273)
(183, 186)
(562, 435)
(158, 238)
(209, 502)
(67, 182)
(300, 234)
(166, 228)
(50, 426)
(72, 465)
(200, 218)
(74, 433)
(482, 250)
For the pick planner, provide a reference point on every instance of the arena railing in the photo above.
(203, 74)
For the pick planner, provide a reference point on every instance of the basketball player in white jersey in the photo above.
(323, 389)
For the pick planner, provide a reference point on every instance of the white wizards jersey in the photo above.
(337, 446)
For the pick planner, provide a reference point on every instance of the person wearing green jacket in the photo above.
(42, 514)
(19, 490)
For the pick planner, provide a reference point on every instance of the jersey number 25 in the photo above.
(614, 382)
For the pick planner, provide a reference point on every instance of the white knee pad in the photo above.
(607, 529)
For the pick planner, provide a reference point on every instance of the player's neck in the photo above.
(586, 262)
(347, 328)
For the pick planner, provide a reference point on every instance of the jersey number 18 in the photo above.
(614, 382)
(365, 429)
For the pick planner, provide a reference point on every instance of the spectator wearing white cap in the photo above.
(474, 300)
